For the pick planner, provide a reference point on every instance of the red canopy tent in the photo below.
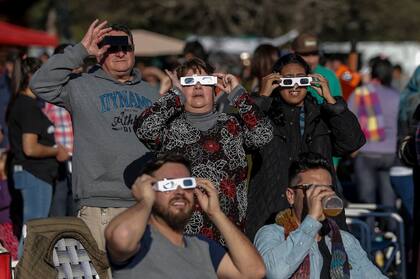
(20, 36)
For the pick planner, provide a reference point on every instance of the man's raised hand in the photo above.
(96, 32)
(207, 197)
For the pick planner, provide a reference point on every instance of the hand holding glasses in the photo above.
(172, 184)
(332, 205)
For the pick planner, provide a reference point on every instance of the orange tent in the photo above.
(11, 34)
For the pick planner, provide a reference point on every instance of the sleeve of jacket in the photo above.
(150, 126)
(281, 256)
(257, 128)
(358, 258)
(262, 102)
(51, 81)
(346, 134)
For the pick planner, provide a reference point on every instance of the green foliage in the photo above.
(331, 19)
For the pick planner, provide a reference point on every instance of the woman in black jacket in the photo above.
(300, 125)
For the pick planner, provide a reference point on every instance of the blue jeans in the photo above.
(403, 186)
(373, 179)
(36, 196)
(62, 200)
(374, 182)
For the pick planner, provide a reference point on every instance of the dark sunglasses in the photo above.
(306, 187)
(118, 48)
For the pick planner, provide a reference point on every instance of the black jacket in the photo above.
(330, 130)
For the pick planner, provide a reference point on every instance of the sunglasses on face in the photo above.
(290, 82)
(203, 80)
(172, 184)
(118, 48)
(306, 187)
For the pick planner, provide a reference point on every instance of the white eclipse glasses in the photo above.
(203, 80)
(300, 81)
(172, 184)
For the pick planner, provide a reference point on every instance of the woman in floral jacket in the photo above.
(186, 121)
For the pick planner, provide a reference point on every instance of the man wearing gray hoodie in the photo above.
(104, 104)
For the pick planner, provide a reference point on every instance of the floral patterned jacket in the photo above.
(217, 154)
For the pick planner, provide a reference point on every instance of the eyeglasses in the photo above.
(172, 184)
(118, 48)
(300, 81)
(203, 80)
(306, 187)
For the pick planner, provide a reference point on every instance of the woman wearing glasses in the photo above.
(300, 125)
(185, 121)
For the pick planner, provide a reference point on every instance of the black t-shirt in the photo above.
(26, 116)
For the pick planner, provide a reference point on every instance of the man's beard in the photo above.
(177, 221)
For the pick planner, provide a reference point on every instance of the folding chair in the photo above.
(61, 247)
(394, 247)
(72, 261)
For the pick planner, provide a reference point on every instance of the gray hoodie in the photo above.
(103, 111)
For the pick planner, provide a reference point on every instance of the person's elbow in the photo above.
(259, 271)
(118, 239)
(29, 149)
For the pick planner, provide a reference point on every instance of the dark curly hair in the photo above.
(156, 160)
(262, 61)
(195, 64)
(291, 58)
(307, 161)
(22, 73)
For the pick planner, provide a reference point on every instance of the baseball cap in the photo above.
(306, 43)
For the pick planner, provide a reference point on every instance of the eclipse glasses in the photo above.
(172, 184)
(203, 80)
(290, 82)
(116, 44)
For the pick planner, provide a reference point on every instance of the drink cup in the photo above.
(332, 206)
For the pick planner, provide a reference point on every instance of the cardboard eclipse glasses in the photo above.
(290, 82)
(172, 184)
(203, 80)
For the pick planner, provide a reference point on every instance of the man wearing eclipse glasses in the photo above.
(147, 240)
(185, 121)
(103, 104)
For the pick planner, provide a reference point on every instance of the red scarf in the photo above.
(288, 221)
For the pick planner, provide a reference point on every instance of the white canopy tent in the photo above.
(153, 44)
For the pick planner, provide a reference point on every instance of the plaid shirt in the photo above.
(61, 119)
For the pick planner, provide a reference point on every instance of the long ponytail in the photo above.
(22, 72)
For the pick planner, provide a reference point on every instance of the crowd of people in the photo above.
(192, 172)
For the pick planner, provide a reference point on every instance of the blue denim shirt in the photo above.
(282, 257)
